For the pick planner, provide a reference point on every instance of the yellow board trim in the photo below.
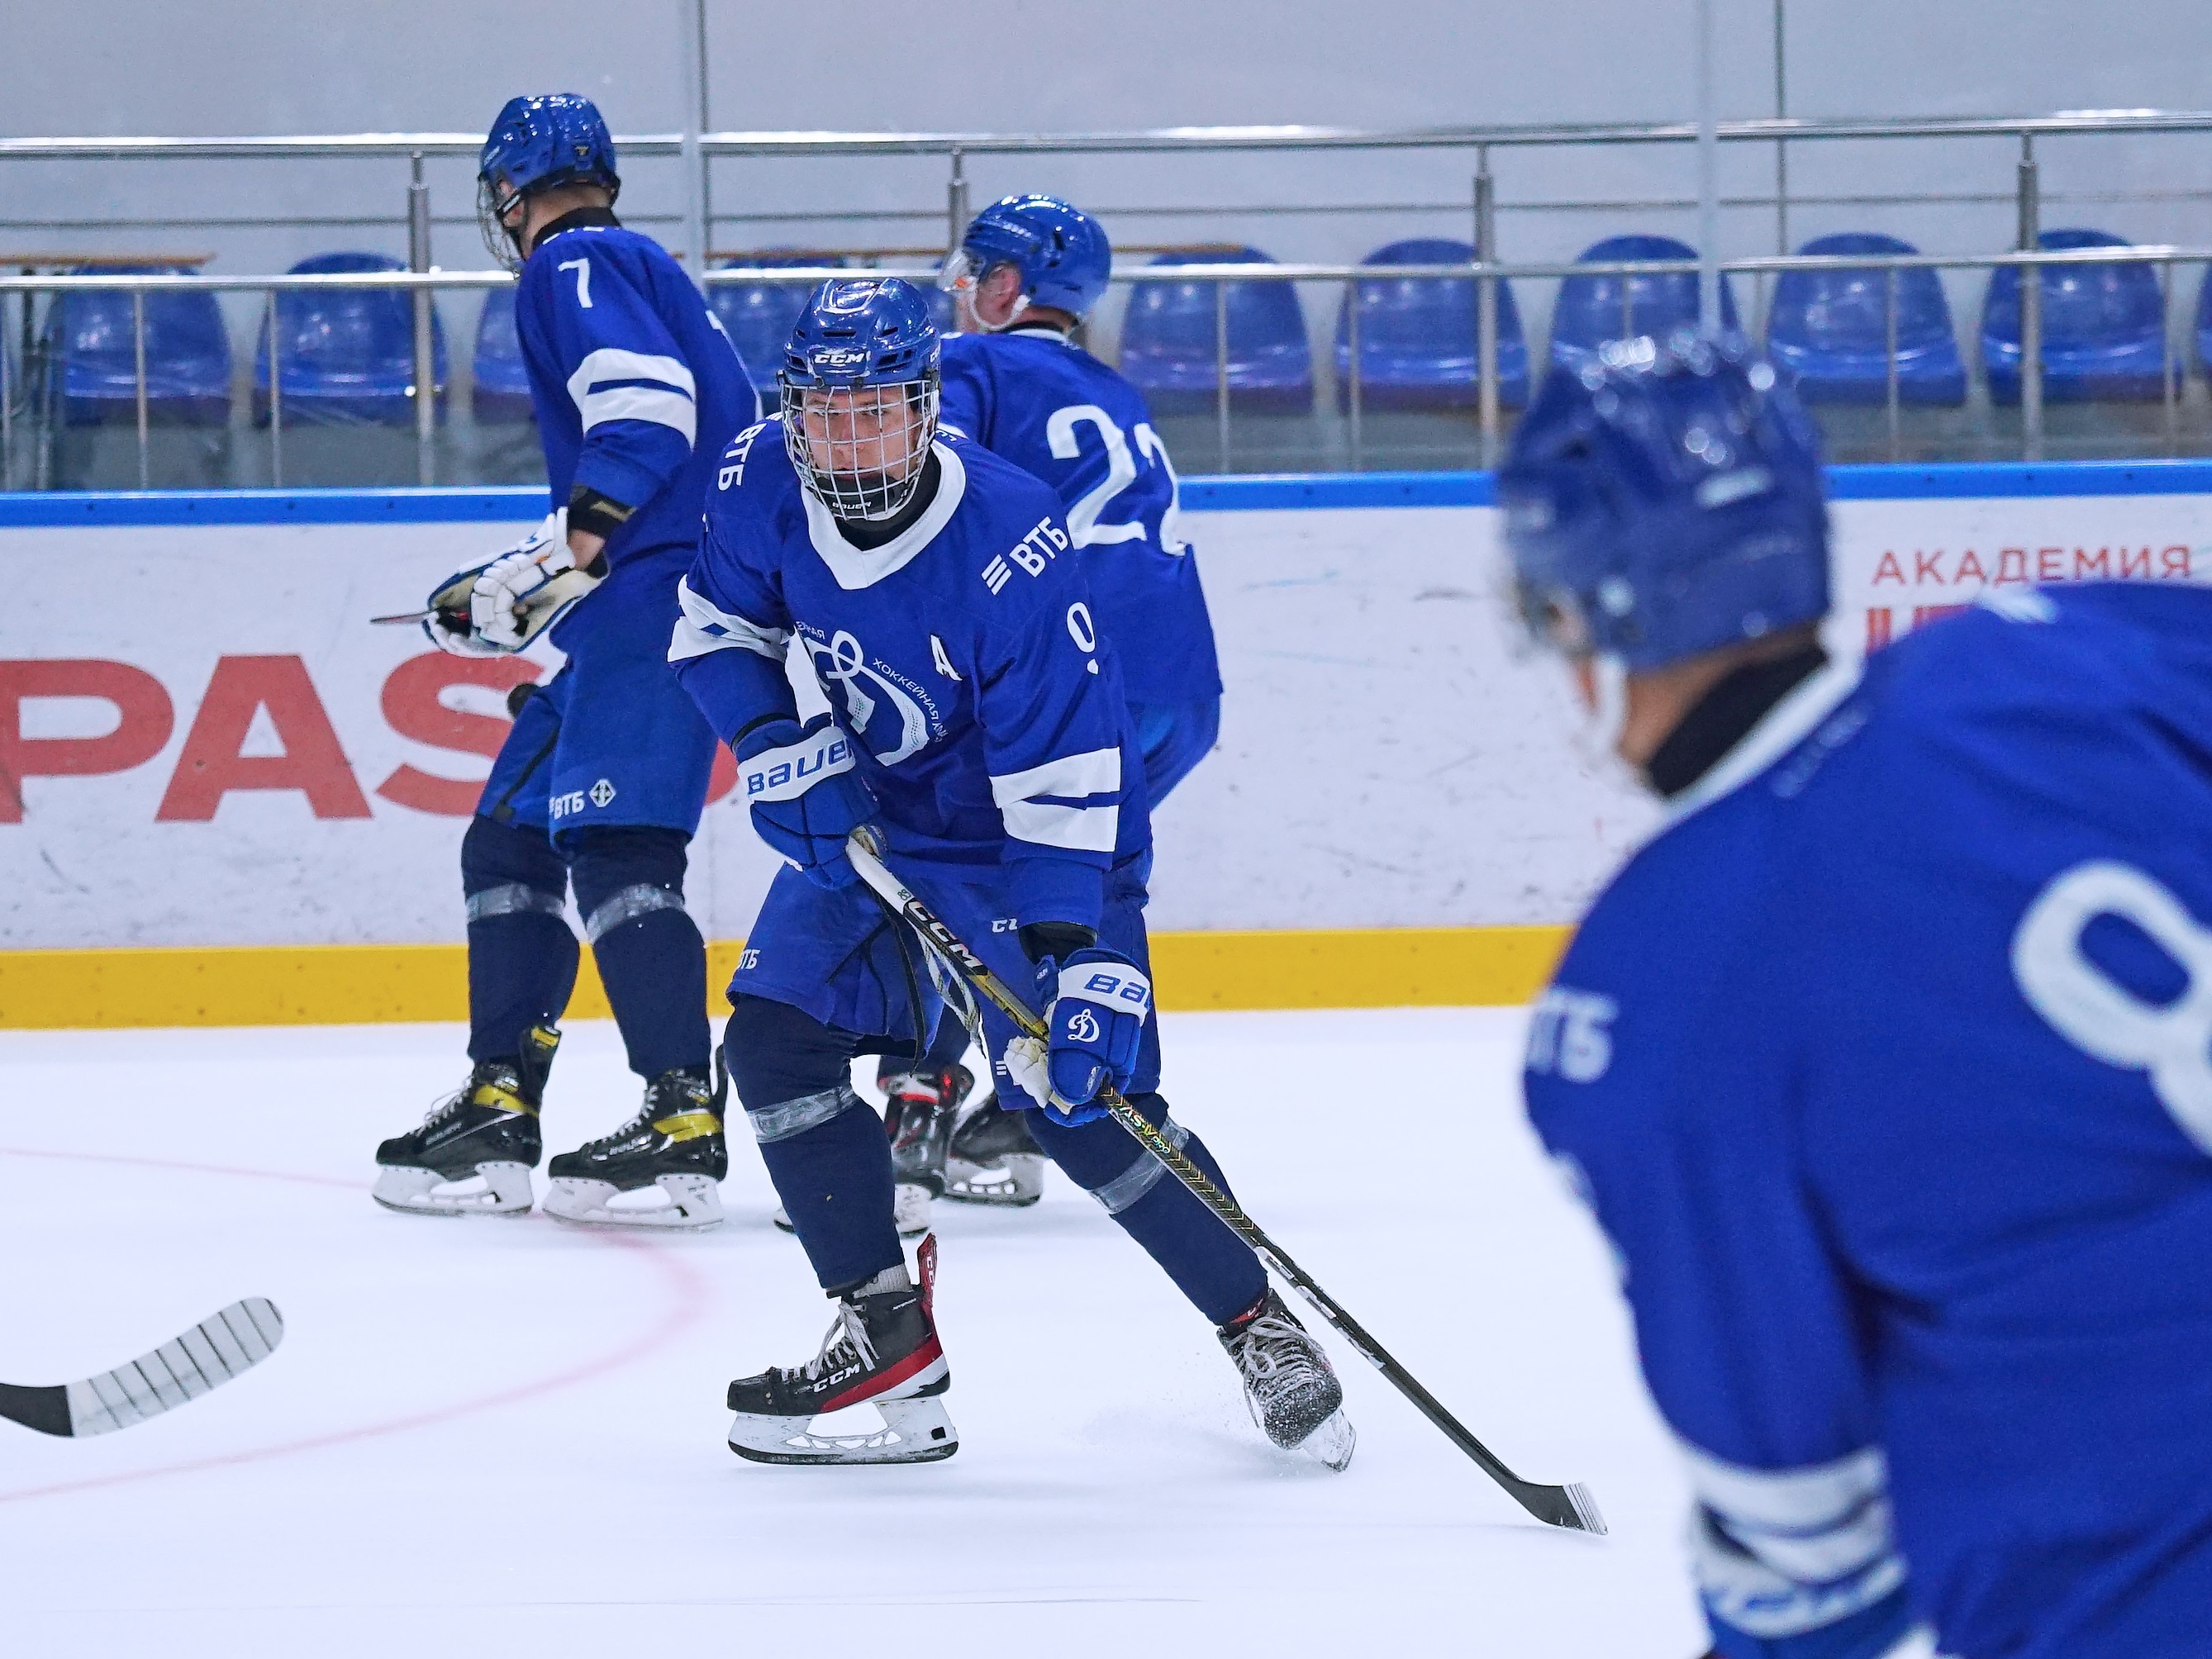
(366, 984)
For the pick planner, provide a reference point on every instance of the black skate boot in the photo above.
(994, 1158)
(473, 1154)
(1288, 1381)
(882, 1352)
(674, 1143)
(919, 1117)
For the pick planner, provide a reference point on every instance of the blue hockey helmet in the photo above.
(858, 394)
(1061, 252)
(1665, 501)
(548, 138)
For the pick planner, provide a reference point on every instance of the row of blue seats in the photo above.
(349, 356)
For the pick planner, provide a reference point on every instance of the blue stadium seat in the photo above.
(1168, 340)
(501, 392)
(1587, 312)
(1417, 335)
(1828, 330)
(91, 359)
(2104, 328)
(349, 357)
(759, 320)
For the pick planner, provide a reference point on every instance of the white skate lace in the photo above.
(848, 1336)
(1276, 1354)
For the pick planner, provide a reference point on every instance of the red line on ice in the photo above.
(690, 1302)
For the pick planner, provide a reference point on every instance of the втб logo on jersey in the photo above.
(1033, 552)
(842, 660)
(1570, 1033)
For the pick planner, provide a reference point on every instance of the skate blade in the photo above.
(913, 1431)
(694, 1203)
(783, 1219)
(1333, 1442)
(1016, 1182)
(495, 1189)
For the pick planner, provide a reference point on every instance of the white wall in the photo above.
(266, 66)
(1388, 758)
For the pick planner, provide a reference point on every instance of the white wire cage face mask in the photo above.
(861, 449)
(495, 199)
(961, 275)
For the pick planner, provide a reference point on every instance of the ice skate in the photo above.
(923, 1104)
(674, 1147)
(473, 1154)
(1289, 1383)
(994, 1158)
(884, 1352)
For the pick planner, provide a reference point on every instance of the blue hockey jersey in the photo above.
(963, 658)
(635, 387)
(1888, 1069)
(1057, 413)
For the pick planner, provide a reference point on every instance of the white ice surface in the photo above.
(488, 1436)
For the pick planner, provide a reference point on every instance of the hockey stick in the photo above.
(564, 589)
(1569, 1506)
(227, 1342)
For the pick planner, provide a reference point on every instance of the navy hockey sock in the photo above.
(1209, 1264)
(629, 887)
(522, 957)
(826, 1150)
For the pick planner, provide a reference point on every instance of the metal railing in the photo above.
(1488, 268)
(422, 284)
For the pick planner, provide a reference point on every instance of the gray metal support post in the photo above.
(956, 203)
(2166, 354)
(138, 369)
(1891, 390)
(426, 357)
(7, 406)
(1781, 145)
(690, 38)
(275, 401)
(1351, 341)
(1709, 152)
(1485, 306)
(2030, 304)
(1221, 367)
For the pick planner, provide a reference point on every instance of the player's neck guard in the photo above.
(1730, 708)
(1787, 725)
(856, 567)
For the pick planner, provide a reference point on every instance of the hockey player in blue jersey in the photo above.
(602, 779)
(1028, 271)
(977, 725)
(1886, 1063)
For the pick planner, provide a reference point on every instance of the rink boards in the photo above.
(225, 799)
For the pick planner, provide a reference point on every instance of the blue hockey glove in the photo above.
(1095, 1003)
(804, 797)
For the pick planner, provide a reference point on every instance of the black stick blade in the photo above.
(227, 1342)
(45, 1410)
(1570, 1506)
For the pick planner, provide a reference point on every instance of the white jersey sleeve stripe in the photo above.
(1094, 772)
(703, 630)
(1079, 828)
(1781, 1552)
(600, 397)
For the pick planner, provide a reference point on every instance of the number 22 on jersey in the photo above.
(1121, 472)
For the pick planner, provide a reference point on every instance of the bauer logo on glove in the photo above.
(1098, 1001)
